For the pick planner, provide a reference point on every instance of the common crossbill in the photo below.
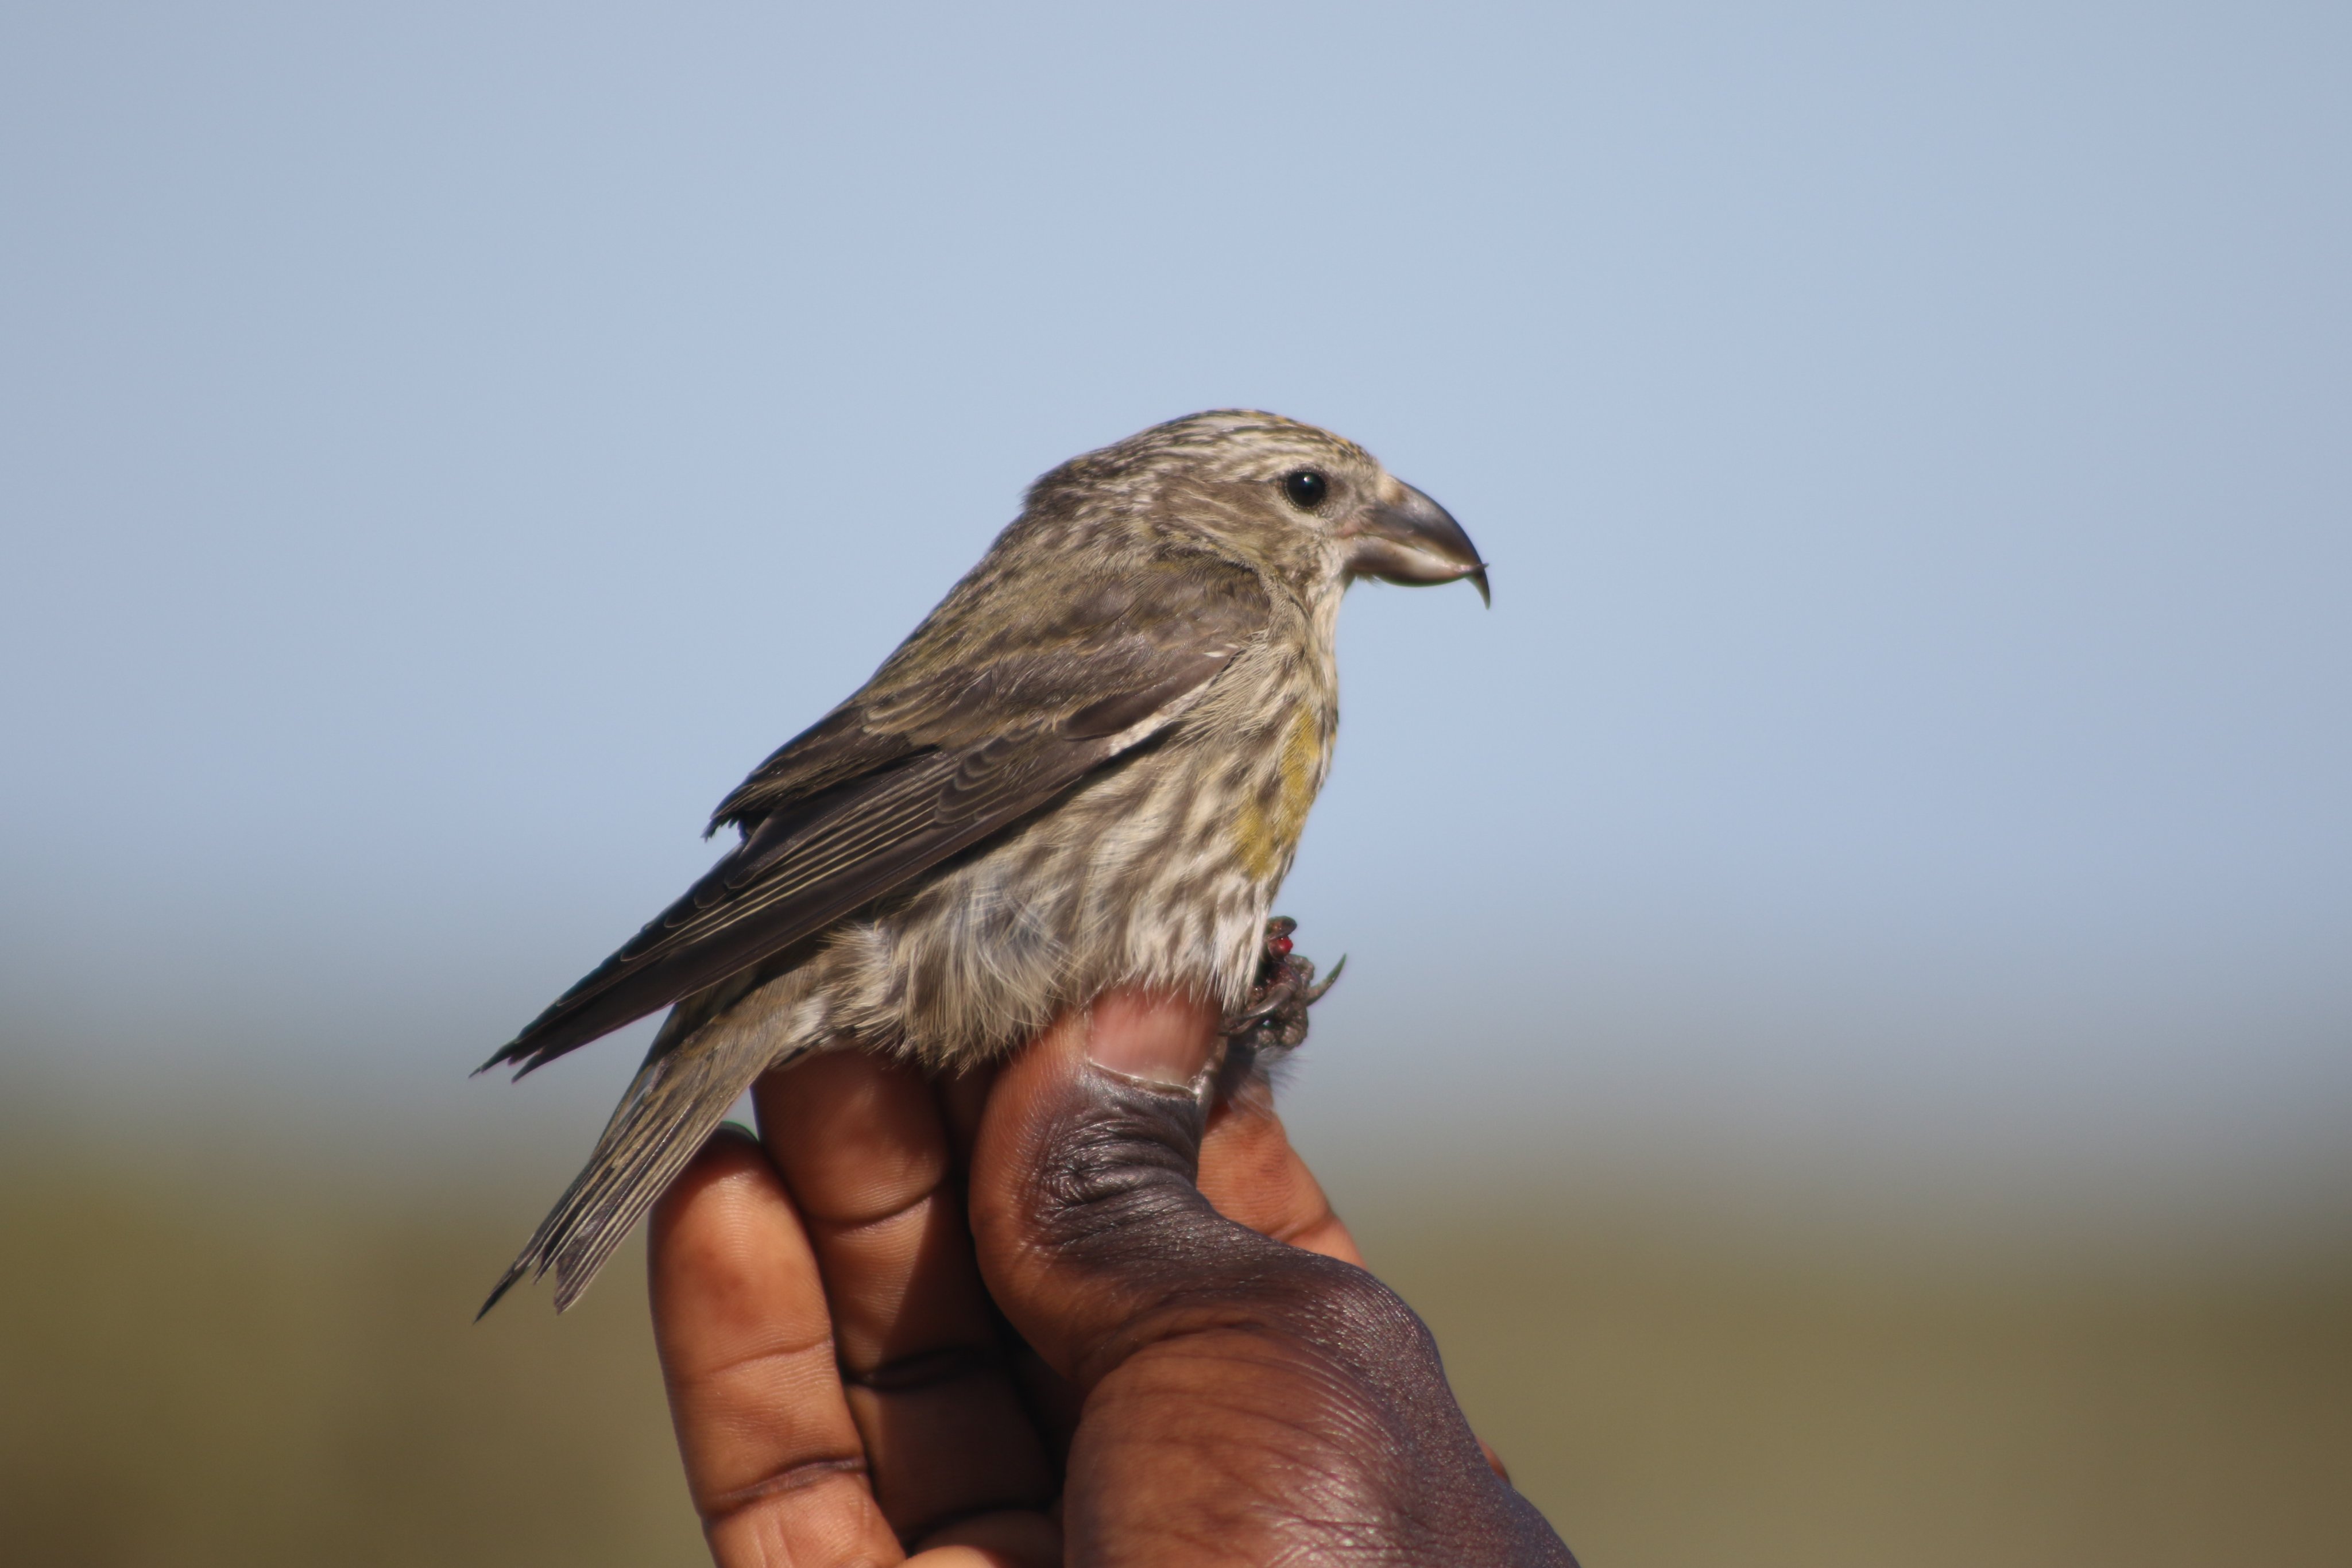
(1087, 768)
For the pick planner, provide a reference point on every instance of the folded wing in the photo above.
(957, 738)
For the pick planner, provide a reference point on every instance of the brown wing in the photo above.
(956, 739)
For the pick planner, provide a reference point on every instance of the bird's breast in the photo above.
(1269, 819)
(1156, 872)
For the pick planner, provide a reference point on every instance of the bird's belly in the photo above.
(1149, 874)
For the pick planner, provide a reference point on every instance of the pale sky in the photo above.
(444, 449)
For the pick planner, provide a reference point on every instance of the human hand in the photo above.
(1049, 1310)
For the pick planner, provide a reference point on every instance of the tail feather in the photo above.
(676, 1099)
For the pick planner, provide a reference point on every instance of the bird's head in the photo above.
(1287, 496)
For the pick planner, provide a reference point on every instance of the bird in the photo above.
(1087, 768)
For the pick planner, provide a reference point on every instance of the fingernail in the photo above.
(1152, 1039)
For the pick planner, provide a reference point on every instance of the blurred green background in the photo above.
(280, 1369)
(1847, 1032)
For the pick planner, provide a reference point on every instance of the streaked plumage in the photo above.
(1088, 768)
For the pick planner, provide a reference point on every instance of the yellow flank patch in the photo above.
(1265, 837)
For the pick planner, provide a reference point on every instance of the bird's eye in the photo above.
(1306, 489)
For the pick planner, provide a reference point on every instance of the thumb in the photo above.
(1193, 1341)
(1092, 1235)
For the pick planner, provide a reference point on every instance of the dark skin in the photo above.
(1051, 1312)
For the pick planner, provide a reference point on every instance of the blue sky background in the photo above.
(442, 450)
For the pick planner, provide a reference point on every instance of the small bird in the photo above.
(1087, 769)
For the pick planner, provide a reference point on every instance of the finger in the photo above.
(963, 1095)
(1252, 1175)
(863, 1151)
(774, 1462)
(1052, 1400)
(1243, 1397)
(1020, 1538)
(1095, 1128)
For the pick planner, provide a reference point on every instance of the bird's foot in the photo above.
(1274, 1020)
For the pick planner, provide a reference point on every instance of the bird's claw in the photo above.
(1274, 1020)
